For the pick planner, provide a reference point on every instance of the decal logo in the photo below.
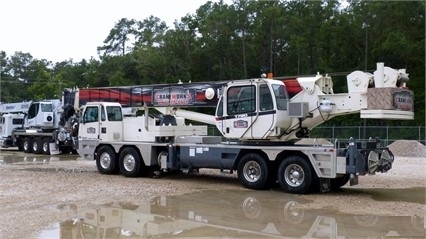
(240, 124)
(403, 100)
(173, 96)
(91, 130)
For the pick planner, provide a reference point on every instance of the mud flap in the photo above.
(353, 180)
(325, 185)
(53, 150)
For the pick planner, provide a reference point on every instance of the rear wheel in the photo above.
(20, 145)
(295, 175)
(27, 145)
(253, 171)
(130, 162)
(106, 160)
(46, 146)
(37, 145)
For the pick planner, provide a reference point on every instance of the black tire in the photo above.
(27, 145)
(20, 145)
(64, 149)
(295, 175)
(106, 160)
(130, 162)
(46, 146)
(253, 171)
(337, 183)
(37, 145)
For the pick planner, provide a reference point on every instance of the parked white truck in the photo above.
(259, 124)
(35, 127)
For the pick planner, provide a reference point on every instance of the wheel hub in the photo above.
(295, 175)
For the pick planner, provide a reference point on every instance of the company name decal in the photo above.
(91, 130)
(403, 100)
(240, 124)
(173, 96)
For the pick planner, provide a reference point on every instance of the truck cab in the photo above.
(101, 121)
(9, 122)
(253, 109)
(43, 114)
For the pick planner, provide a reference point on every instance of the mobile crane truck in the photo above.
(259, 123)
(35, 127)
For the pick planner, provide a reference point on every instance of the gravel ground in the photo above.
(36, 194)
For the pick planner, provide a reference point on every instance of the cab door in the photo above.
(90, 125)
(247, 111)
(111, 123)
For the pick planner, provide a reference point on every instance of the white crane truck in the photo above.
(35, 126)
(259, 123)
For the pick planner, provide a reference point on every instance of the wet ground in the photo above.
(202, 210)
(227, 214)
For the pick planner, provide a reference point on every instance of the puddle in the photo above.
(38, 160)
(227, 214)
(33, 159)
(413, 195)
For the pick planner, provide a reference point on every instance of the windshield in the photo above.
(281, 96)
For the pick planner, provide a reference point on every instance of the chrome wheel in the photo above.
(105, 160)
(35, 145)
(129, 162)
(294, 175)
(252, 171)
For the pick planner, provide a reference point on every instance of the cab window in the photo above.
(46, 107)
(91, 114)
(241, 99)
(33, 110)
(114, 113)
(281, 96)
(265, 98)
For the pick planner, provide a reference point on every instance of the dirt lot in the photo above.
(33, 188)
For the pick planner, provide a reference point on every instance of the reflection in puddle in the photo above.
(228, 214)
(33, 159)
(40, 160)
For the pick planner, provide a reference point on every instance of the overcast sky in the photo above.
(58, 30)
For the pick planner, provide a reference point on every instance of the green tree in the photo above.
(116, 41)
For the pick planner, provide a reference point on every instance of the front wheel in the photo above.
(106, 160)
(130, 162)
(253, 171)
(295, 175)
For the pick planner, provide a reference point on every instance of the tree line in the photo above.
(240, 40)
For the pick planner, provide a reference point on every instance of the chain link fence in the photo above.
(388, 134)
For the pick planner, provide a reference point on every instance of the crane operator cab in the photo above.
(43, 114)
(253, 109)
